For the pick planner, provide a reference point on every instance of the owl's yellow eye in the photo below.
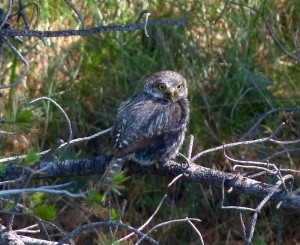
(179, 87)
(162, 86)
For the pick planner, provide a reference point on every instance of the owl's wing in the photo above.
(142, 121)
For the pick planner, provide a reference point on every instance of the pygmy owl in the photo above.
(151, 125)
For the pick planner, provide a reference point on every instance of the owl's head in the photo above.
(166, 85)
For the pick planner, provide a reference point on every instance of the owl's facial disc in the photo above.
(166, 85)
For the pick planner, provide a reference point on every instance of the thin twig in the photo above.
(62, 111)
(166, 223)
(23, 74)
(120, 216)
(243, 226)
(7, 133)
(175, 179)
(197, 231)
(262, 14)
(277, 42)
(146, 23)
(44, 189)
(190, 149)
(72, 142)
(95, 225)
(147, 222)
(7, 14)
(1, 55)
(12, 181)
(11, 217)
(21, 14)
(247, 142)
(296, 42)
(30, 229)
(146, 11)
(76, 12)
(264, 116)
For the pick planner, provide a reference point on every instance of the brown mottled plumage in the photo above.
(151, 125)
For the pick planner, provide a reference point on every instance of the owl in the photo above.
(151, 125)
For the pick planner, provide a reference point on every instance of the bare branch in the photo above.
(166, 223)
(7, 133)
(190, 149)
(6, 15)
(44, 189)
(65, 115)
(146, 23)
(23, 74)
(120, 216)
(101, 225)
(12, 181)
(197, 231)
(29, 229)
(195, 173)
(76, 12)
(277, 42)
(72, 142)
(11, 237)
(274, 38)
(147, 222)
(264, 116)
(249, 142)
(63, 112)
(87, 32)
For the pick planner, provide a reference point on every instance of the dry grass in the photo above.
(235, 71)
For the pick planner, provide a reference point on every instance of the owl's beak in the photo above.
(172, 93)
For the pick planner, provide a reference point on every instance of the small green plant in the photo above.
(32, 156)
(45, 212)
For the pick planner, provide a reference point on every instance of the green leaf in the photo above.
(114, 215)
(45, 212)
(32, 157)
(24, 116)
(120, 177)
(2, 167)
(93, 197)
(38, 197)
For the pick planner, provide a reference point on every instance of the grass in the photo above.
(235, 73)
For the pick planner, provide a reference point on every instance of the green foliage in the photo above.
(114, 214)
(32, 156)
(45, 212)
(118, 182)
(24, 116)
(235, 73)
(259, 241)
(93, 198)
(38, 197)
(120, 177)
(2, 167)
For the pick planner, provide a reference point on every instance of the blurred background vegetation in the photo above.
(236, 73)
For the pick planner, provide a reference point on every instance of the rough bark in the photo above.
(196, 173)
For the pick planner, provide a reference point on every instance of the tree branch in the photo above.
(196, 173)
(87, 32)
